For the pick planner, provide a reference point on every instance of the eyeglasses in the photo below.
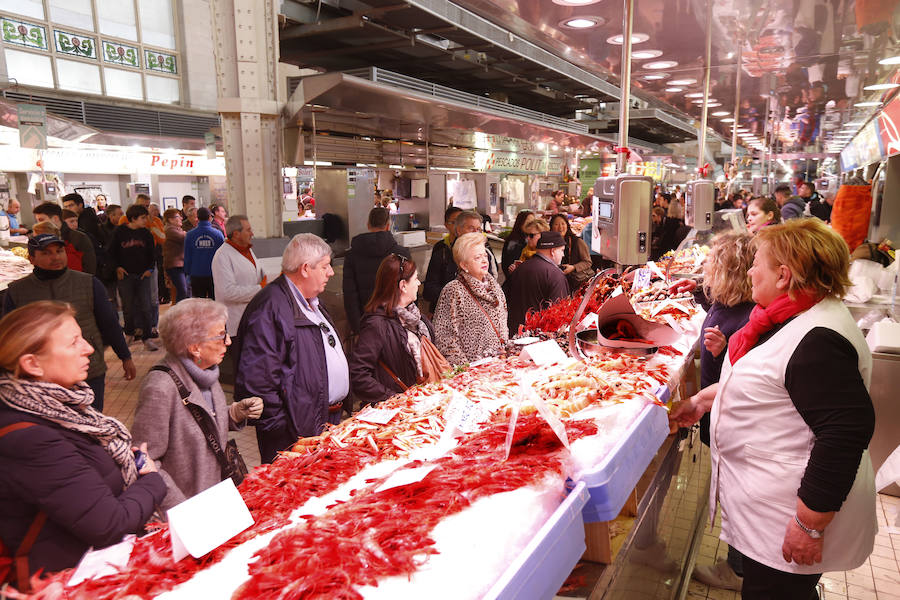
(217, 338)
(530, 235)
(327, 330)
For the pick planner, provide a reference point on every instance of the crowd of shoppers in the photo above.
(781, 335)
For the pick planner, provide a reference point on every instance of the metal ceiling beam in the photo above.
(337, 25)
(304, 56)
(506, 40)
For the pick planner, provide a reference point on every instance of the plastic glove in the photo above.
(248, 408)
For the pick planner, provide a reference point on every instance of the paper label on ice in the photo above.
(379, 416)
(206, 521)
(405, 477)
(544, 353)
(671, 322)
(100, 563)
(464, 415)
(641, 279)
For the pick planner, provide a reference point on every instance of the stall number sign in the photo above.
(32, 126)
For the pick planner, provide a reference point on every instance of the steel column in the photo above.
(624, 102)
(245, 39)
(701, 151)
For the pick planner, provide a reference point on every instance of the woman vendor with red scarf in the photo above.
(791, 420)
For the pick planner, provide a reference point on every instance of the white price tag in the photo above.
(405, 477)
(106, 561)
(464, 415)
(378, 416)
(641, 279)
(206, 521)
(544, 353)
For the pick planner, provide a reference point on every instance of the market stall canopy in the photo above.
(376, 103)
(70, 130)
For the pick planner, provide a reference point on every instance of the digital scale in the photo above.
(621, 218)
(699, 204)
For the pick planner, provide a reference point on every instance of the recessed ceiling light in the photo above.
(555, 147)
(674, 89)
(636, 38)
(891, 60)
(646, 54)
(881, 86)
(728, 120)
(867, 104)
(575, 2)
(721, 113)
(683, 81)
(713, 104)
(661, 64)
(655, 76)
(582, 22)
(694, 95)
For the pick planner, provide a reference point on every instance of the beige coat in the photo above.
(174, 438)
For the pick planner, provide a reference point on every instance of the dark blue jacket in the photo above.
(76, 483)
(281, 358)
(200, 245)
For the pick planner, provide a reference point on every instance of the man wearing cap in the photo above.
(200, 245)
(52, 280)
(537, 282)
(79, 249)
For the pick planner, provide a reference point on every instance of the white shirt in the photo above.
(336, 361)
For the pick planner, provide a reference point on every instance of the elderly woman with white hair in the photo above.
(289, 353)
(470, 318)
(181, 413)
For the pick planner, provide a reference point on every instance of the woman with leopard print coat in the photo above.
(470, 319)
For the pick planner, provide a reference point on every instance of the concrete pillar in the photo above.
(245, 36)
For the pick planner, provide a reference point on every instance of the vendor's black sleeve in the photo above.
(823, 381)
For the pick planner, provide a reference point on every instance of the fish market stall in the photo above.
(510, 470)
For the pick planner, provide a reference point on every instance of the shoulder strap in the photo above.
(202, 418)
(402, 385)
(20, 558)
(484, 312)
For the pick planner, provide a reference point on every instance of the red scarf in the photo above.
(763, 320)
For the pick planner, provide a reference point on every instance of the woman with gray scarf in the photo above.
(193, 333)
(68, 476)
(387, 358)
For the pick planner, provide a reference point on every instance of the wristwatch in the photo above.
(813, 533)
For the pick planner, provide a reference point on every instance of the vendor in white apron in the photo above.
(791, 420)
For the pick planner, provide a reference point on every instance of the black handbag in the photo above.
(230, 460)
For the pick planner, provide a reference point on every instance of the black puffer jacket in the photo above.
(382, 339)
(367, 250)
(76, 483)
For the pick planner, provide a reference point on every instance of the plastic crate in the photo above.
(613, 480)
(546, 562)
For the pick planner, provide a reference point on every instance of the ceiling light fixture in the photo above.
(661, 64)
(881, 86)
(575, 2)
(891, 60)
(646, 54)
(867, 104)
(674, 89)
(655, 76)
(582, 22)
(721, 113)
(636, 38)
(694, 95)
(713, 104)
(687, 81)
(728, 120)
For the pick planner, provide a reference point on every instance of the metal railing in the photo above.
(377, 75)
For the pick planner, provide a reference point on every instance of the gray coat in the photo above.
(173, 437)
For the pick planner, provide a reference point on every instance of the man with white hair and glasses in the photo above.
(288, 351)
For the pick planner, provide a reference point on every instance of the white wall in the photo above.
(110, 184)
(177, 187)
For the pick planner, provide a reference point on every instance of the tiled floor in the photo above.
(878, 579)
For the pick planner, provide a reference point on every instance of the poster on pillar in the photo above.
(461, 193)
